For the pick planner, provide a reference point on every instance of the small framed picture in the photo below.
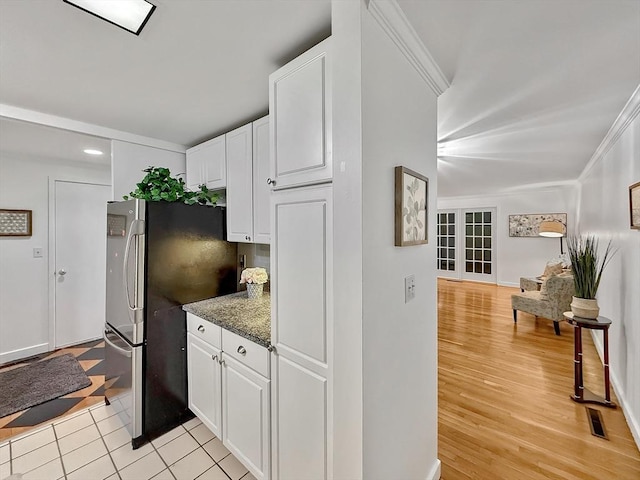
(15, 223)
(412, 192)
(634, 205)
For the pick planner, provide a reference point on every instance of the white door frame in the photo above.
(52, 252)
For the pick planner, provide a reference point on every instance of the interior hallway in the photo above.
(503, 392)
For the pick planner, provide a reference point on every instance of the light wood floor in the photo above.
(504, 406)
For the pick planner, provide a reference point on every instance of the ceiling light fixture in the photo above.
(92, 151)
(131, 15)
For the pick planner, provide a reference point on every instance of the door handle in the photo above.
(62, 272)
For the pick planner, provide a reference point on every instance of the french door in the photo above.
(466, 244)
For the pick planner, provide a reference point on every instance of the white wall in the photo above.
(347, 240)
(128, 160)
(385, 351)
(603, 210)
(24, 281)
(400, 346)
(516, 256)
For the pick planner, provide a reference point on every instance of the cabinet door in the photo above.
(205, 382)
(214, 161)
(240, 184)
(301, 330)
(195, 167)
(261, 189)
(300, 111)
(245, 406)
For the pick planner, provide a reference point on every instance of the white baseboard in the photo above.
(23, 353)
(508, 284)
(632, 421)
(434, 474)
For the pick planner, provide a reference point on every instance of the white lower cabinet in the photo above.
(230, 395)
(245, 416)
(205, 383)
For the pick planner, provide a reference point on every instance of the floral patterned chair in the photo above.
(551, 301)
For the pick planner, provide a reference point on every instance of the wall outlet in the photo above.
(409, 288)
(37, 252)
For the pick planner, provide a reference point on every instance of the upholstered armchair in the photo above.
(551, 301)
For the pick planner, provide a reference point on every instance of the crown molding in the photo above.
(626, 117)
(396, 25)
(32, 116)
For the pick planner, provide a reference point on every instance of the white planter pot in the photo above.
(254, 290)
(585, 308)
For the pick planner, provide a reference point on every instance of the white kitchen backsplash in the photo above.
(257, 255)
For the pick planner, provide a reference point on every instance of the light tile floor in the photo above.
(94, 445)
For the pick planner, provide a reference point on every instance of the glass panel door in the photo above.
(478, 228)
(466, 244)
(447, 256)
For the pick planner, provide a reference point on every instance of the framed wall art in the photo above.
(528, 225)
(412, 192)
(634, 205)
(15, 223)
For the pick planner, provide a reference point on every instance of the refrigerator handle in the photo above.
(126, 353)
(135, 229)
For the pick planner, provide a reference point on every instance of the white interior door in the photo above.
(466, 244)
(478, 245)
(80, 214)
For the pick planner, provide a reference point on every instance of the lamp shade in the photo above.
(551, 228)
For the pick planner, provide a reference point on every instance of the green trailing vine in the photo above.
(158, 185)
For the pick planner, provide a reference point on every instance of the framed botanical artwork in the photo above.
(412, 191)
(15, 223)
(528, 224)
(634, 205)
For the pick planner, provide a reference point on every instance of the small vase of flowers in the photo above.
(255, 278)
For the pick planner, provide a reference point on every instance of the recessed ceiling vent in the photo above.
(130, 15)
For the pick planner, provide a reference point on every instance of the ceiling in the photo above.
(17, 139)
(535, 85)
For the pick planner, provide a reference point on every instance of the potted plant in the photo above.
(587, 265)
(255, 278)
(158, 185)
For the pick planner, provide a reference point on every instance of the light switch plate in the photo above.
(409, 288)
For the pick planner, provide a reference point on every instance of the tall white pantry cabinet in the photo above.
(301, 266)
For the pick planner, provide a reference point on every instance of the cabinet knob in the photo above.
(270, 182)
(214, 357)
(247, 237)
(242, 350)
(201, 329)
(221, 362)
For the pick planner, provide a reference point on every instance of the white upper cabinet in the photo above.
(240, 184)
(248, 192)
(207, 164)
(300, 110)
(261, 189)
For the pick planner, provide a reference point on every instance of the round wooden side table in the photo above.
(581, 394)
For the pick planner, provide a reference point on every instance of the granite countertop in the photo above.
(249, 318)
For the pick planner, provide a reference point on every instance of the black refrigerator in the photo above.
(160, 255)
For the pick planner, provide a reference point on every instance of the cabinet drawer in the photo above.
(246, 352)
(203, 329)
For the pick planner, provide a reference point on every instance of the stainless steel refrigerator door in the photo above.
(123, 378)
(125, 268)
